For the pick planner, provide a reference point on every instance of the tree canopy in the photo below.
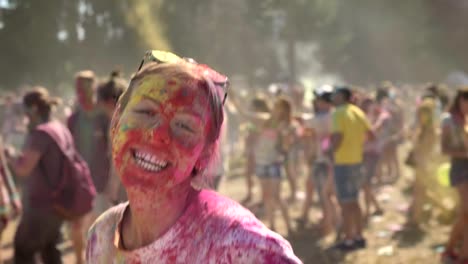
(363, 41)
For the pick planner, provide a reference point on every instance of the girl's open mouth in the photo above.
(148, 161)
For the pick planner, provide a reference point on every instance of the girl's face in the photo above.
(464, 105)
(32, 115)
(85, 93)
(279, 111)
(159, 136)
(321, 105)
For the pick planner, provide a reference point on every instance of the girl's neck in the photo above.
(152, 212)
(461, 117)
(39, 121)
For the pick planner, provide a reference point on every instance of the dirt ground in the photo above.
(388, 241)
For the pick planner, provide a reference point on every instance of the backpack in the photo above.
(73, 197)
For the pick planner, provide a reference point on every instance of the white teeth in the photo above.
(149, 162)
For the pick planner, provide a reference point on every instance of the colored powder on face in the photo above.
(154, 87)
(168, 102)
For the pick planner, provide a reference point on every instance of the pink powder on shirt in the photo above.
(213, 229)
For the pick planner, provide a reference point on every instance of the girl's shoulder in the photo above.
(101, 236)
(105, 224)
(237, 232)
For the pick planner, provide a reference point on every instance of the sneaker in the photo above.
(379, 212)
(345, 246)
(360, 243)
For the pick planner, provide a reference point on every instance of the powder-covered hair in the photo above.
(186, 73)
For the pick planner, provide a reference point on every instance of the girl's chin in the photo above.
(134, 175)
(131, 180)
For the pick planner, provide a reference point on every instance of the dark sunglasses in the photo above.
(161, 57)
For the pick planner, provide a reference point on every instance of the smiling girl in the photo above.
(164, 139)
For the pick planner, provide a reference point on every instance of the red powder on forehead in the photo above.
(171, 82)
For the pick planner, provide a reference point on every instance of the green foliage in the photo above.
(363, 41)
(100, 35)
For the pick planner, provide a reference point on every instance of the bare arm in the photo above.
(371, 135)
(446, 147)
(336, 140)
(309, 140)
(25, 164)
(233, 103)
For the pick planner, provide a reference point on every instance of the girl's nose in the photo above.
(160, 132)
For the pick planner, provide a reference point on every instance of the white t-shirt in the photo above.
(213, 229)
(321, 123)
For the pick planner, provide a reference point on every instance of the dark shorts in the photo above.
(271, 171)
(458, 171)
(348, 182)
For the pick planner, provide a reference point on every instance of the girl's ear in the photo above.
(205, 158)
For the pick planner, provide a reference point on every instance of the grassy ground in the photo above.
(388, 241)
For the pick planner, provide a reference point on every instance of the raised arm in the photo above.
(25, 164)
(31, 154)
(234, 104)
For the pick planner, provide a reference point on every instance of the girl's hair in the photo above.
(214, 94)
(438, 91)
(260, 105)
(39, 97)
(112, 89)
(462, 93)
(286, 105)
(85, 79)
(365, 103)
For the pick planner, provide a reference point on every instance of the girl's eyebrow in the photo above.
(189, 111)
(185, 110)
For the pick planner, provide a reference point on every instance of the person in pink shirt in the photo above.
(165, 135)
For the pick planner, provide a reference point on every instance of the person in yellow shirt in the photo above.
(350, 129)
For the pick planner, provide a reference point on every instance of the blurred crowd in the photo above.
(346, 142)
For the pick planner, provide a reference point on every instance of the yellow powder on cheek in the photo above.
(118, 142)
(119, 137)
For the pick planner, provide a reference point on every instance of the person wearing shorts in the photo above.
(321, 178)
(372, 155)
(272, 145)
(269, 171)
(348, 182)
(350, 129)
(454, 143)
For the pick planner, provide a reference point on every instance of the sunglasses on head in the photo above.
(162, 57)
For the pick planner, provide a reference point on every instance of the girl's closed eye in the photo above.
(185, 126)
(143, 111)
